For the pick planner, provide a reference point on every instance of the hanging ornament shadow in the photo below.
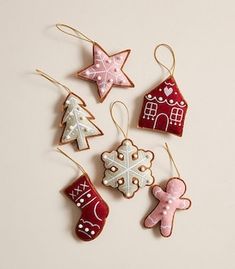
(164, 108)
(106, 70)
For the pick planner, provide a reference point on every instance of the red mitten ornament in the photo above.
(94, 209)
(106, 70)
(164, 108)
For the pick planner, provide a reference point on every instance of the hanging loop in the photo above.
(51, 79)
(125, 134)
(172, 69)
(66, 155)
(73, 32)
(172, 159)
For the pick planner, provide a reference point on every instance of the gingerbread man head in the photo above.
(176, 187)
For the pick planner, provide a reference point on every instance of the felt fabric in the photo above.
(78, 123)
(164, 108)
(94, 209)
(169, 201)
(106, 71)
(128, 168)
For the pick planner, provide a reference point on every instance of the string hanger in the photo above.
(172, 69)
(172, 159)
(66, 155)
(125, 134)
(51, 79)
(73, 32)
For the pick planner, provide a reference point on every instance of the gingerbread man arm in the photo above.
(159, 193)
(183, 203)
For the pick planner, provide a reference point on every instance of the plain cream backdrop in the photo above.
(36, 220)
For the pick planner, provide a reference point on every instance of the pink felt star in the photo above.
(106, 71)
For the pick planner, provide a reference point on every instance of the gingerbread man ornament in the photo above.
(169, 201)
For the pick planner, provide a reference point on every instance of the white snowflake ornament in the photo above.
(128, 168)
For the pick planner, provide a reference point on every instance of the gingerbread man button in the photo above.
(169, 201)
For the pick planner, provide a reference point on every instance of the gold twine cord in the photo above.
(51, 79)
(172, 69)
(73, 32)
(66, 155)
(172, 159)
(125, 134)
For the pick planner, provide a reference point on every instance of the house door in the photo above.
(161, 122)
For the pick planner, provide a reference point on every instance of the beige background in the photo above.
(36, 220)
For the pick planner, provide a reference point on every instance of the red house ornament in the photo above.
(164, 108)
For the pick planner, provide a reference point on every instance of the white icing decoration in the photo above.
(170, 84)
(168, 91)
(163, 101)
(92, 224)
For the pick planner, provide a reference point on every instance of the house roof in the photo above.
(167, 92)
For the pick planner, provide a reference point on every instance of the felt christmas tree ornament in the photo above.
(77, 121)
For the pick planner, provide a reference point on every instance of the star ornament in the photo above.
(106, 71)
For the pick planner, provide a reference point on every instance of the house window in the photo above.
(176, 114)
(150, 110)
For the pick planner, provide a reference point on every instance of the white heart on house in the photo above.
(168, 91)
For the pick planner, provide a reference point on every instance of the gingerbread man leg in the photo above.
(166, 225)
(153, 218)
